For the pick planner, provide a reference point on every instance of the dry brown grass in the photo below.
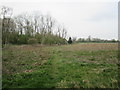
(91, 46)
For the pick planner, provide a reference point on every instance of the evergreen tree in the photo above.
(70, 40)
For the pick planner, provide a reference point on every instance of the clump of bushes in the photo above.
(32, 41)
(70, 40)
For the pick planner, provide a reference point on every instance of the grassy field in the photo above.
(85, 65)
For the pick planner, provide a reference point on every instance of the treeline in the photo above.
(30, 28)
(90, 39)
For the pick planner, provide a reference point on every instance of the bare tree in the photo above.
(49, 24)
(59, 32)
(19, 24)
(6, 14)
(64, 33)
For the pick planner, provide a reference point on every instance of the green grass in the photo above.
(66, 66)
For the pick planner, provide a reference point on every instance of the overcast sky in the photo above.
(82, 18)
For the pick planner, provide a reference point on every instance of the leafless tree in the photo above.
(6, 14)
(64, 33)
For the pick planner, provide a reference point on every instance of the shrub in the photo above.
(32, 41)
(70, 40)
(39, 37)
(23, 39)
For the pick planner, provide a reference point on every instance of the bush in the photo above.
(23, 39)
(32, 41)
(39, 37)
(70, 40)
(13, 38)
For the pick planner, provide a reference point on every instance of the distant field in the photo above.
(84, 65)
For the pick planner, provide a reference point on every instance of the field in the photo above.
(84, 65)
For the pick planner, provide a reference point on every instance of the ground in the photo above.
(84, 65)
